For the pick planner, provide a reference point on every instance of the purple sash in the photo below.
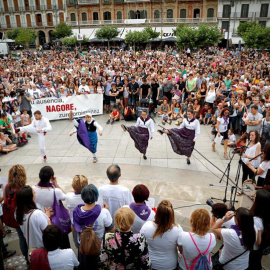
(84, 219)
(141, 210)
(82, 134)
(144, 120)
(48, 184)
(238, 232)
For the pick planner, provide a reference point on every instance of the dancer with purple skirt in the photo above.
(140, 133)
(183, 138)
(86, 133)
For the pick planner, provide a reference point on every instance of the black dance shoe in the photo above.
(188, 161)
(160, 132)
(124, 127)
(144, 157)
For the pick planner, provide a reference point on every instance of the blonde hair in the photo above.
(200, 222)
(164, 218)
(124, 218)
(79, 182)
(17, 176)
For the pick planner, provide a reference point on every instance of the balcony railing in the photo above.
(136, 1)
(88, 2)
(147, 21)
(106, 2)
(264, 16)
(237, 15)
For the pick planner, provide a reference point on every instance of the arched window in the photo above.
(131, 14)
(210, 13)
(156, 14)
(95, 16)
(183, 13)
(196, 13)
(143, 14)
(119, 15)
(169, 13)
(73, 17)
(107, 16)
(84, 16)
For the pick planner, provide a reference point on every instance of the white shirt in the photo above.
(231, 249)
(258, 223)
(223, 126)
(138, 222)
(84, 89)
(148, 124)
(42, 124)
(115, 196)
(251, 152)
(162, 249)
(195, 125)
(64, 259)
(45, 196)
(232, 138)
(265, 166)
(37, 223)
(189, 249)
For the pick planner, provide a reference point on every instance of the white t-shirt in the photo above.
(223, 126)
(115, 196)
(189, 249)
(258, 223)
(231, 249)
(84, 89)
(45, 196)
(64, 259)
(265, 166)
(232, 138)
(138, 222)
(162, 249)
(37, 223)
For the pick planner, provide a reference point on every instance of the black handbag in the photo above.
(216, 265)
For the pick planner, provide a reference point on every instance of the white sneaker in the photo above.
(95, 160)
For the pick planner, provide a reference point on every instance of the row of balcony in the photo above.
(97, 2)
(33, 8)
(146, 21)
(239, 15)
(27, 25)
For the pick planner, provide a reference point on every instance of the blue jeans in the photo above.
(23, 244)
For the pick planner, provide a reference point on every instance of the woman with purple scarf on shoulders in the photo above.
(140, 133)
(183, 138)
(142, 212)
(91, 214)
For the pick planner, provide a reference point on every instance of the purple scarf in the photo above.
(145, 120)
(48, 184)
(238, 232)
(141, 210)
(190, 121)
(84, 219)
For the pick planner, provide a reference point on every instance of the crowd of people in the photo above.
(115, 228)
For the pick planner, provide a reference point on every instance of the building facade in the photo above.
(233, 13)
(89, 14)
(40, 15)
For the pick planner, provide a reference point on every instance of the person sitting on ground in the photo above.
(208, 117)
(114, 115)
(124, 249)
(164, 107)
(6, 144)
(232, 138)
(115, 195)
(142, 212)
(165, 118)
(51, 256)
(129, 113)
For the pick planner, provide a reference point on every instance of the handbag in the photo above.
(217, 265)
(61, 216)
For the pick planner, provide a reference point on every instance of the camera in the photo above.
(20, 91)
(210, 202)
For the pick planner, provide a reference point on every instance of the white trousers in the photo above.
(41, 137)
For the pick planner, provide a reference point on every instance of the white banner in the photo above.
(59, 108)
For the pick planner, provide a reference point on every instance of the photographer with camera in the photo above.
(129, 113)
(24, 99)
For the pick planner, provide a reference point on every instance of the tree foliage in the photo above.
(202, 36)
(69, 41)
(243, 27)
(22, 36)
(107, 32)
(62, 30)
(151, 33)
(136, 37)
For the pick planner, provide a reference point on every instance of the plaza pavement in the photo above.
(165, 173)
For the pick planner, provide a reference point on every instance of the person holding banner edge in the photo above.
(40, 126)
(86, 133)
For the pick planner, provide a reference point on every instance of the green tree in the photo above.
(69, 41)
(151, 33)
(207, 35)
(22, 36)
(244, 27)
(136, 37)
(62, 30)
(107, 32)
(186, 36)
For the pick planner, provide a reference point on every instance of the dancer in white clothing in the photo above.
(40, 126)
(140, 134)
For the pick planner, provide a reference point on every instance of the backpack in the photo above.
(90, 244)
(9, 208)
(201, 262)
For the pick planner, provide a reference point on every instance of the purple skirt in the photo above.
(182, 141)
(140, 137)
